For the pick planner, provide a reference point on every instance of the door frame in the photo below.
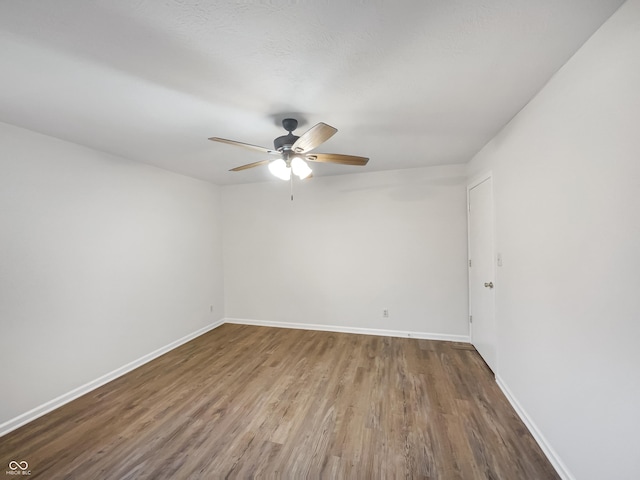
(474, 182)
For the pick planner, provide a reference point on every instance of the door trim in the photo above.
(474, 182)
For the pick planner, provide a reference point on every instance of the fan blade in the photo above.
(250, 165)
(313, 137)
(337, 158)
(245, 145)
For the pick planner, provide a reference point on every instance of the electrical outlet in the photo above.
(385, 313)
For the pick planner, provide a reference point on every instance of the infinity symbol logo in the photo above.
(23, 465)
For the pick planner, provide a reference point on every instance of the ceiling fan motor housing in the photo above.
(289, 124)
(285, 141)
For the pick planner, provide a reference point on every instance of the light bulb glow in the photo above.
(279, 169)
(300, 168)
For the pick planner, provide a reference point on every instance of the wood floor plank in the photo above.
(257, 402)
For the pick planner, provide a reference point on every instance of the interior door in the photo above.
(481, 271)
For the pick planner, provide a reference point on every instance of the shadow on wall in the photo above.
(408, 186)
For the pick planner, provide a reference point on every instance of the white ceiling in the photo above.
(407, 83)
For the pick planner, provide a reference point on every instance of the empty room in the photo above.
(320, 239)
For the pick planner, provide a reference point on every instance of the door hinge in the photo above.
(470, 318)
(469, 263)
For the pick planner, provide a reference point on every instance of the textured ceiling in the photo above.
(407, 83)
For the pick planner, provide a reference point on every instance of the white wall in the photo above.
(347, 248)
(102, 261)
(567, 193)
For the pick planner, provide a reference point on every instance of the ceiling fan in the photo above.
(291, 153)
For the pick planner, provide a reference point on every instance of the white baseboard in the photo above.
(548, 450)
(358, 330)
(47, 407)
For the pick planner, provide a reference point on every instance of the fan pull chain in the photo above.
(291, 182)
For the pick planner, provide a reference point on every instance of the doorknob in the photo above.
(488, 284)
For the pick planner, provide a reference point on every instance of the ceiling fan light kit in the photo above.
(280, 169)
(300, 168)
(291, 151)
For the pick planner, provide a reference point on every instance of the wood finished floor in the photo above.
(245, 402)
